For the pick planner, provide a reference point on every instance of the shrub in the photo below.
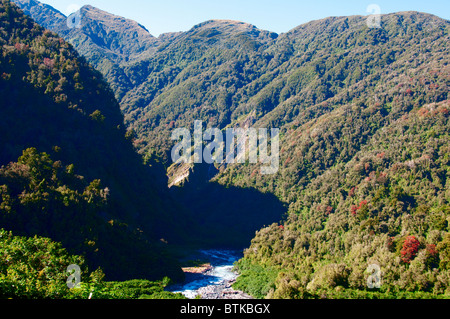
(410, 248)
(330, 276)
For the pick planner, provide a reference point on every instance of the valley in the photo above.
(87, 116)
(212, 280)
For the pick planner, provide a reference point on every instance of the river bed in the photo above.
(213, 281)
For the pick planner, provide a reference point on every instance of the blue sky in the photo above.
(160, 16)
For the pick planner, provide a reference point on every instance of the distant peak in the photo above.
(359, 20)
(226, 26)
(225, 23)
(112, 20)
(89, 8)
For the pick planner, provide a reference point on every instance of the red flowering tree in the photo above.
(362, 210)
(352, 192)
(410, 248)
(49, 63)
(329, 210)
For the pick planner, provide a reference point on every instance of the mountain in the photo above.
(362, 170)
(117, 38)
(386, 206)
(363, 119)
(69, 171)
(98, 35)
(196, 76)
(180, 220)
(48, 17)
(141, 68)
(106, 40)
(364, 114)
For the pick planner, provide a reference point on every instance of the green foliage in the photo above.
(360, 174)
(42, 197)
(405, 197)
(363, 115)
(55, 109)
(35, 268)
(97, 116)
(140, 289)
(444, 252)
(255, 279)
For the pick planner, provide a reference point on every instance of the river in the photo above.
(215, 281)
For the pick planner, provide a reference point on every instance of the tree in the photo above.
(97, 116)
(410, 248)
(432, 257)
(444, 252)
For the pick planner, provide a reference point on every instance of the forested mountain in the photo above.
(157, 81)
(106, 40)
(68, 170)
(363, 114)
(141, 194)
(47, 16)
(364, 162)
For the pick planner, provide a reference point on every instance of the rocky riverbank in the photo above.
(222, 291)
(212, 280)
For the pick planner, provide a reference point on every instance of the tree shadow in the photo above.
(224, 217)
(99, 150)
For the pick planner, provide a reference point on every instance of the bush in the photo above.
(330, 276)
(410, 249)
(255, 279)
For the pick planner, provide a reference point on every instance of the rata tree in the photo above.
(410, 249)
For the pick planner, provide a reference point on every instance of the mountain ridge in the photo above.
(363, 119)
(65, 158)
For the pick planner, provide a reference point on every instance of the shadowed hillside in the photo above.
(52, 101)
(363, 119)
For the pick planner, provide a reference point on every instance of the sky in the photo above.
(161, 16)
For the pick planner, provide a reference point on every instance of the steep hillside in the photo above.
(332, 87)
(393, 192)
(337, 91)
(364, 163)
(199, 225)
(47, 16)
(52, 101)
(106, 40)
(96, 34)
(196, 76)
(161, 78)
(363, 114)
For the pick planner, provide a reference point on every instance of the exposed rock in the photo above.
(223, 291)
(197, 270)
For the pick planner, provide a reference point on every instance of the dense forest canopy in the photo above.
(363, 114)
(68, 171)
